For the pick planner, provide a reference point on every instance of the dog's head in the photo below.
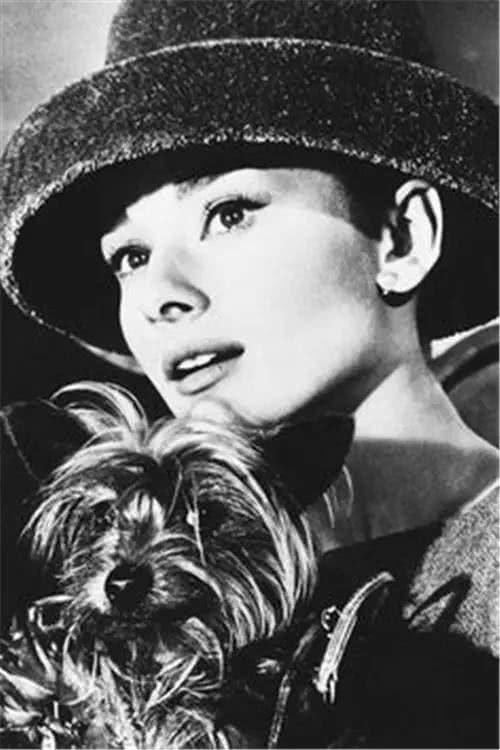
(151, 527)
(174, 545)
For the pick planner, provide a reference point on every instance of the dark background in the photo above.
(48, 43)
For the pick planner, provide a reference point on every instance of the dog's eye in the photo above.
(103, 517)
(211, 515)
(206, 516)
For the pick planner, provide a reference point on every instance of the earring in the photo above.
(386, 283)
(409, 275)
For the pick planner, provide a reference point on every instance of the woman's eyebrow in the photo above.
(187, 187)
(181, 190)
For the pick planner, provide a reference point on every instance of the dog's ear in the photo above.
(308, 456)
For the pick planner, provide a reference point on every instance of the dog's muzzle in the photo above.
(127, 585)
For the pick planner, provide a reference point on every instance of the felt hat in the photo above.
(193, 78)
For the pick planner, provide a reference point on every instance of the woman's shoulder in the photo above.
(429, 672)
(456, 584)
(447, 572)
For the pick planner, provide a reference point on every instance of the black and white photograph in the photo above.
(249, 471)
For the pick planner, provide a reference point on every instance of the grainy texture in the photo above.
(465, 558)
(432, 680)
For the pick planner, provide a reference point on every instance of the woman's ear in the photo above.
(411, 238)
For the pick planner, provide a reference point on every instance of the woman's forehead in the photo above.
(308, 186)
(119, 186)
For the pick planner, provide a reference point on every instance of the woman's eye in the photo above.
(127, 259)
(229, 215)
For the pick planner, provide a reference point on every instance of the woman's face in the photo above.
(251, 287)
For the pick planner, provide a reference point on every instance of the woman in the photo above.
(291, 201)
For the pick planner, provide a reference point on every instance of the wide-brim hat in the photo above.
(196, 78)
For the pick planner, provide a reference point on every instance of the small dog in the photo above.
(185, 572)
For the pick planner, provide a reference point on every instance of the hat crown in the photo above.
(393, 28)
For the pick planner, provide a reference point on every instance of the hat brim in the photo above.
(291, 93)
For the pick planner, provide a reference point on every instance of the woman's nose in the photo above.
(173, 312)
(172, 295)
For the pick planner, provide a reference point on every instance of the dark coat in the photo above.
(430, 677)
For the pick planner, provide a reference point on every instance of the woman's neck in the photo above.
(413, 460)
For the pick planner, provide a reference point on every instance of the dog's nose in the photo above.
(127, 585)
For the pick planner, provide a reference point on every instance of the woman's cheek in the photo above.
(135, 328)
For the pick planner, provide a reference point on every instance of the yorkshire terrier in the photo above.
(185, 573)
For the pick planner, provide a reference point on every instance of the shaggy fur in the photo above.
(183, 567)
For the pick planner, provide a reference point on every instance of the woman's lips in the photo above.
(205, 377)
(197, 368)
